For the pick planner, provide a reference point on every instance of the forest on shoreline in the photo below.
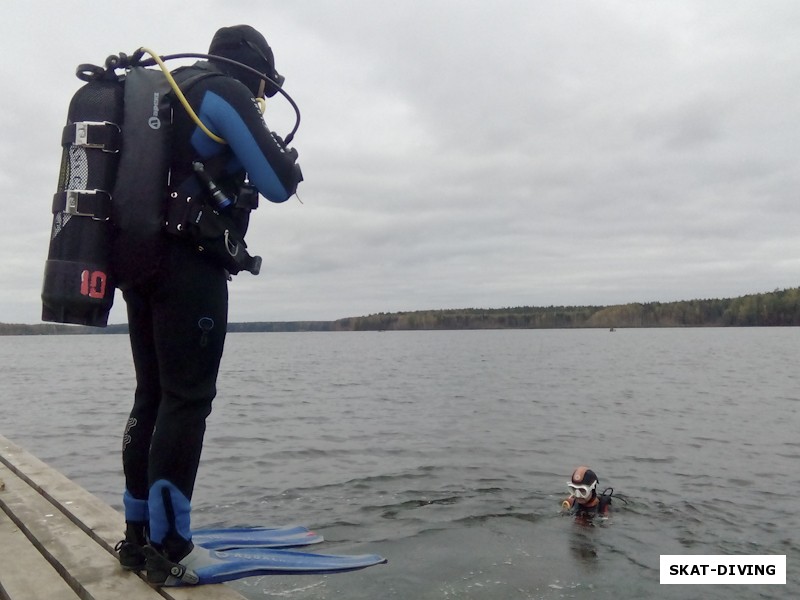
(773, 309)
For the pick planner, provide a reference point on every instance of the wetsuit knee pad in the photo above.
(170, 512)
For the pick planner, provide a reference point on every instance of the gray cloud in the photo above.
(464, 154)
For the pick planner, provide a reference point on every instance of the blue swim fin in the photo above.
(204, 566)
(255, 537)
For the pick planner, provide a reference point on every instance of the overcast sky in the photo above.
(462, 154)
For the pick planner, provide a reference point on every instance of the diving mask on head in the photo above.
(580, 491)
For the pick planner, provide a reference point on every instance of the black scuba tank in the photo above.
(78, 286)
(108, 213)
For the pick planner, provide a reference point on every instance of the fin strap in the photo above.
(162, 571)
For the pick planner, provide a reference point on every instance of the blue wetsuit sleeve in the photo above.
(232, 114)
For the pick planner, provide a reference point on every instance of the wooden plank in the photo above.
(87, 513)
(89, 569)
(24, 573)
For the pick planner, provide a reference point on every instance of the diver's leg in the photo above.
(139, 428)
(189, 323)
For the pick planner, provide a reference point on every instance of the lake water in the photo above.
(448, 452)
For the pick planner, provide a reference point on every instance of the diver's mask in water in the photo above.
(581, 492)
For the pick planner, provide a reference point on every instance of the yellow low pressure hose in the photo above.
(176, 88)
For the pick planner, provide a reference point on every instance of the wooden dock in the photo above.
(57, 540)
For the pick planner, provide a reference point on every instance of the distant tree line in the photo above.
(774, 309)
(778, 308)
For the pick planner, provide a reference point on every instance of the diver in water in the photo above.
(583, 500)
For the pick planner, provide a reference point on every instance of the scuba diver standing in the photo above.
(175, 288)
(159, 174)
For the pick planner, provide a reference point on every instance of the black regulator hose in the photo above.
(89, 72)
(236, 63)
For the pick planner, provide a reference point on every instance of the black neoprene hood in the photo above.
(245, 44)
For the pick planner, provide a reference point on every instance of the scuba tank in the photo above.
(108, 212)
(78, 286)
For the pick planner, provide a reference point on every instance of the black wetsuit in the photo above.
(178, 318)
